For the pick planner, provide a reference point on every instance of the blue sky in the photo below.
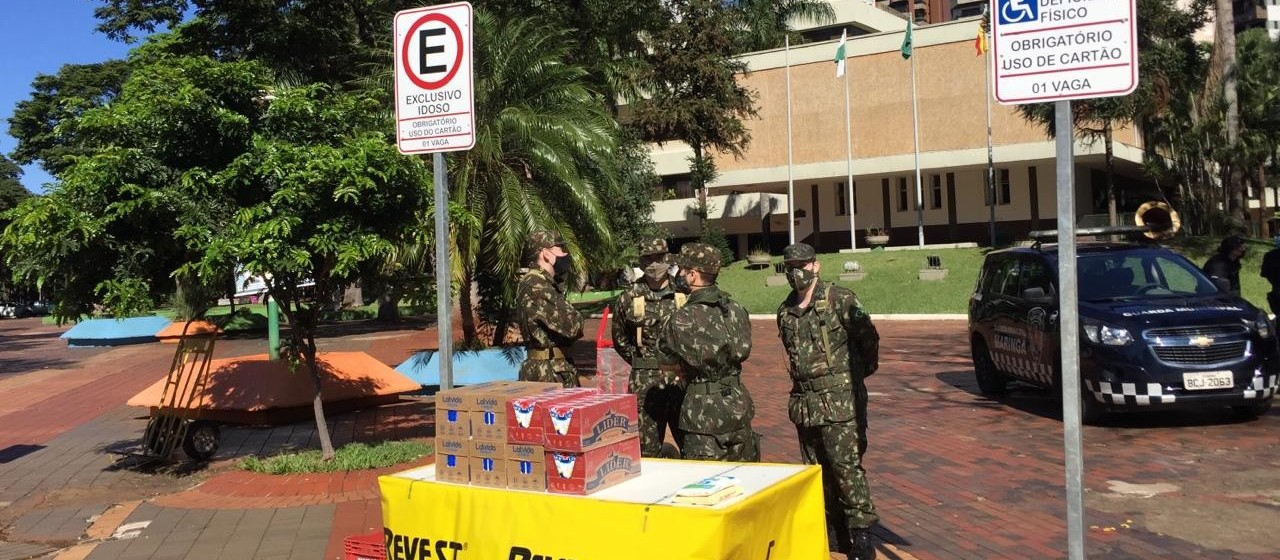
(38, 37)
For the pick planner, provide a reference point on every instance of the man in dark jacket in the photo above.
(1271, 271)
(1225, 264)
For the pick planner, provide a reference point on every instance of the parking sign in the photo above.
(1056, 50)
(435, 106)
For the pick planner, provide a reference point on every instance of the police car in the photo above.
(1156, 333)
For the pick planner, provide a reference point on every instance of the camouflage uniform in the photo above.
(549, 324)
(831, 345)
(642, 312)
(706, 342)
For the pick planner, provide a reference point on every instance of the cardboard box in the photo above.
(589, 421)
(594, 469)
(526, 467)
(489, 407)
(488, 463)
(453, 459)
(453, 417)
(526, 416)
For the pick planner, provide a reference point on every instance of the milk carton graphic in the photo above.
(527, 417)
(564, 463)
(590, 421)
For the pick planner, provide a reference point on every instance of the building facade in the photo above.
(808, 169)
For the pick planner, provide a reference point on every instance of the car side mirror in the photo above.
(1222, 284)
(1036, 295)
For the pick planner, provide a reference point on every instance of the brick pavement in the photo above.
(955, 475)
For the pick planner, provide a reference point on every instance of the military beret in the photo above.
(542, 239)
(655, 246)
(799, 253)
(700, 257)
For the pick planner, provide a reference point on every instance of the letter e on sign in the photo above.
(435, 105)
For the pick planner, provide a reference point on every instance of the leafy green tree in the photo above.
(12, 193)
(1164, 46)
(695, 95)
(319, 192)
(767, 24)
(1259, 102)
(57, 99)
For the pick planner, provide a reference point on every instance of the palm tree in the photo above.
(545, 150)
(1223, 81)
(767, 23)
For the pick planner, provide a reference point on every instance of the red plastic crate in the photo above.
(365, 547)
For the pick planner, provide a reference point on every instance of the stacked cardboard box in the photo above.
(592, 441)
(471, 430)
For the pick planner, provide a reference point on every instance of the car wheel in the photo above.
(1251, 411)
(991, 382)
(1091, 411)
(201, 442)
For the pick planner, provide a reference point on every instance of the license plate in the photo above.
(1203, 380)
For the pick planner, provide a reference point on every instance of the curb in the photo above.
(874, 316)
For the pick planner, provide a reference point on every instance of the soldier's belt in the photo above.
(827, 382)
(555, 353)
(645, 363)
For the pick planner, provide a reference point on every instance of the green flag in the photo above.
(906, 42)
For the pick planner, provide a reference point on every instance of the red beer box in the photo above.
(594, 469)
(588, 421)
(526, 415)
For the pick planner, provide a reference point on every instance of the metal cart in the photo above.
(176, 421)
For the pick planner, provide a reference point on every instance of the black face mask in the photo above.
(680, 283)
(561, 268)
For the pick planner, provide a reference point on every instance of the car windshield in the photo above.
(1130, 275)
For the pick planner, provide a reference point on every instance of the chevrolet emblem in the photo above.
(1201, 341)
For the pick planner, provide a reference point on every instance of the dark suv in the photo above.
(1155, 334)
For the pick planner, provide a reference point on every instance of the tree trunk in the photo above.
(1226, 45)
(466, 308)
(302, 331)
(317, 398)
(500, 327)
(1112, 216)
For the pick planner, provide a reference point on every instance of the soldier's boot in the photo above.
(837, 539)
(860, 547)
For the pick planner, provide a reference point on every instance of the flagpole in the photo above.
(915, 124)
(852, 205)
(791, 194)
(991, 162)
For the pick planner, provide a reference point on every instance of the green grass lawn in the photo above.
(892, 286)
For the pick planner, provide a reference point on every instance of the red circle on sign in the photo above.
(457, 60)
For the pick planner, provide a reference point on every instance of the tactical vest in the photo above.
(637, 311)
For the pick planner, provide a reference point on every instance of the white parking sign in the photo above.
(435, 108)
(1055, 50)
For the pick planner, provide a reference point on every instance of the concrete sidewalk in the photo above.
(954, 475)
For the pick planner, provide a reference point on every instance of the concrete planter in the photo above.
(852, 276)
(931, 274)
(877, 240)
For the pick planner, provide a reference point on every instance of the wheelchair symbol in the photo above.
(1019, 11)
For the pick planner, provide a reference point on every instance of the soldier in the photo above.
(831, 345)
(705, 343)
(642, 311)
(547, 321)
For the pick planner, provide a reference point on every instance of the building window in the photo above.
(1004, 190)
(902, 194)
(935, 186)
(842, 200)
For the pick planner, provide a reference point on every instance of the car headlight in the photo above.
(1107, 335)
(1262, 324)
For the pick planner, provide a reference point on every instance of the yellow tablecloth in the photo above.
(779, 516)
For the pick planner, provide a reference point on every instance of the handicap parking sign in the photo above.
(1019, 11)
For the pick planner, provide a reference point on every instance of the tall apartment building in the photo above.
(1273, 19)
(935, 11)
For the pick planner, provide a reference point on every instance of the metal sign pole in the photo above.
(1069, 325)
(444, 309)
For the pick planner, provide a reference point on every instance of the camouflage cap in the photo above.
(700, 257)
(799, 253)
(542, 239)
(654, 246)
(539, 240)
